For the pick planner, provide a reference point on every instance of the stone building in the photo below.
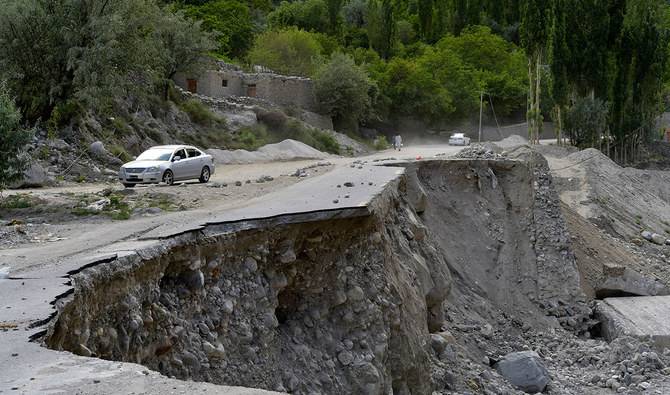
(230, 80)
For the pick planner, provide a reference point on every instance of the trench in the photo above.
(333, 304)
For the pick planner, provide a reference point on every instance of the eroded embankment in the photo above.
(341, 305)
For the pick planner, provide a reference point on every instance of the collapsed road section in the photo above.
(444, 276)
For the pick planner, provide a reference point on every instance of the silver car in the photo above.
(167, 163)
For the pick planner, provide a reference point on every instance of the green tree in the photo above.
(535, 38)
(62, 50)
(425, 11)
(182, 49)
(560, 58)
(344, 91)
(335, 15)
(289, 51)
(586, 122)
(414, 91)
(381, 26)
(497, 65)
(231, 19)
(13, 139)
(310, 15)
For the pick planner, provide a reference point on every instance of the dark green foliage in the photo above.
(290, 51)
(231, 20)
(344, 91)
(275, 127)
(586, 122)
(12, 140)
(71, 54)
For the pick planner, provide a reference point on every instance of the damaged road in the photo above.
(428, 276)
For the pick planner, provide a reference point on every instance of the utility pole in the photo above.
(481, 108)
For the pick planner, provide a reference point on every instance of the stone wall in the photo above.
(283, 90)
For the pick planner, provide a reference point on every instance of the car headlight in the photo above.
(152, 169)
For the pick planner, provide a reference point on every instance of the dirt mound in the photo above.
(283, 151)
(623, 201)
(512, 141)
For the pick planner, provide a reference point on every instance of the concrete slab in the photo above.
(328, 192)
(645, 316)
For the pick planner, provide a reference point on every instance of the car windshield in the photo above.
(155, 154)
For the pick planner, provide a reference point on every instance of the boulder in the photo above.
(658, 239)
(98, 149)
(35, 176)
(524, 370)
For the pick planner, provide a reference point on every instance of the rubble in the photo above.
(524, 370)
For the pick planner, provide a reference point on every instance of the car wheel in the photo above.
(168, 177)
(204, 175)
(128, 185)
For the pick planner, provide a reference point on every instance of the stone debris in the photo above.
(524, 370)
(479, 151)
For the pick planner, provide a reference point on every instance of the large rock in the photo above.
(644, 317)
(34, 177)
(524, 370)
(622, 281)
(98, 149)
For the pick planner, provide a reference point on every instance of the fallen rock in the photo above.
(524, 370)
(34, 177)
(658, 239)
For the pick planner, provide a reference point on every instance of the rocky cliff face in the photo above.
(343, 305)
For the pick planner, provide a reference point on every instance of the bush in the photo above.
(275, 120)
(18, 201)
(120, 152)
(289, 51)
(381, 143)
(13, 139)
(200, 113)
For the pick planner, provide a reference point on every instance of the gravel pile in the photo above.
(480, 151)
(283, 151)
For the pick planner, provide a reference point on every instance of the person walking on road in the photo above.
(397, 142)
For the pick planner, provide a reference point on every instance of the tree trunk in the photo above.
(531, 98)
(559, 122)
(538, 118)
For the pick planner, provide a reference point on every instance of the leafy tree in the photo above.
(355, 13)
(334, 15)
(53, 52)
(344, 91)
(415, 92)
(310, 15)
(289, 51)
(231, 19)
(535, 38)
(425, 11)
(560, 56)
(183, 46)
(13, 138)
(586, 122)
(497, 65)
(381, 26)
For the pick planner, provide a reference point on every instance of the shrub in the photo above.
(381, 143)
(288, 51)
(272, 119)
(200, 113)
(13, 139)
(120, 153)
(18, 201)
